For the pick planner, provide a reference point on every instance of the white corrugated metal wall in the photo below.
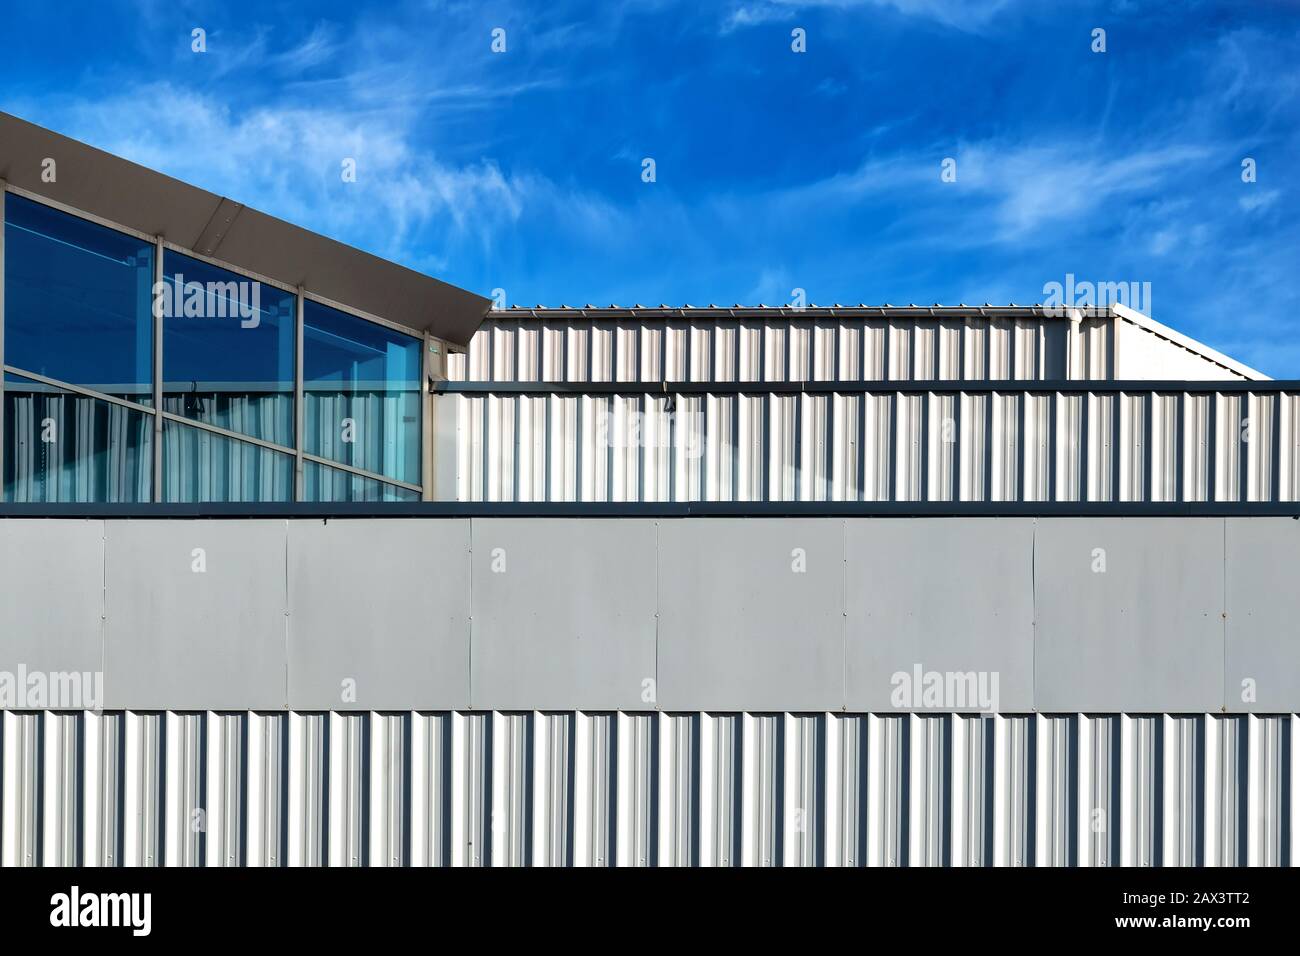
(895, 445)
(599, 789)
(784, 349)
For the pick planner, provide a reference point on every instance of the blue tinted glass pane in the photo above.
(228, 350)
(362, 391)
(200, 466)
(78, 301)
(322, 483)
(60, 446)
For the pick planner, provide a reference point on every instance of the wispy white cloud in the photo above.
(1258, 199)
(755, 14)
(288, 161)
(967, 15)
(1008, 190)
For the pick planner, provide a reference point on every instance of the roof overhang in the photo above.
(123, 193)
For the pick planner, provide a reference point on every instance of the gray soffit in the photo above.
(121, 192)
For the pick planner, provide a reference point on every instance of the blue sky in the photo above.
(775, 170)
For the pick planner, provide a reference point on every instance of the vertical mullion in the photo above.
(427, 466)
(159, 291)
(299, 412)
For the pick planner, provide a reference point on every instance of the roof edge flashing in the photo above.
(119, 193)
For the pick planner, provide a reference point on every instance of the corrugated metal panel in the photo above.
(879, 446)
(559, 789)
(784, 349)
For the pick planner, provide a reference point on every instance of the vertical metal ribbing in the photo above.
(431, 789)
(225, 791)
(894, 402)
(762, 801)
(1293, 765)
(921, 447)
(683, 789)
(930, 787)
(1269, 791)
(349, 765)
(638, 798)
(21, 794)
(803, 783)
(1165, 447)
(595, 796)
(1226, 790)
(846, 790)
(309, 796)
(1209, 448)
(103, 804)
(1057, 790)
(973, 790)
(1142, 782)
(1020, 449)
(512, 789)
(1115, 404)
(888, 782)
(1100, 817)
(1148, 415)
(1271, 483)
(1286, 448)
(942, 474)
(1183, 784)
(1248, 436)
(1051, 445)
(1181, 411)
(679, 778)
(186, 811)
(268, 789)
(721, 789)
(1015, 794)
(1085, 461)
(472, 742)
(389, 789)
(144, 789)
(553, 789)
(1225, 446)
(986, 448)
(61, 839)
(1094, 447)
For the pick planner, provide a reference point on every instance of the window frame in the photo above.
(301, 296)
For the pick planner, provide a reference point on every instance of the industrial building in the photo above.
(308, 559)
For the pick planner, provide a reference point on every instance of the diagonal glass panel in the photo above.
(362, 393)
(202, 466)
(65, 447)
(322, 483)
(228, 350)
(78, 301)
